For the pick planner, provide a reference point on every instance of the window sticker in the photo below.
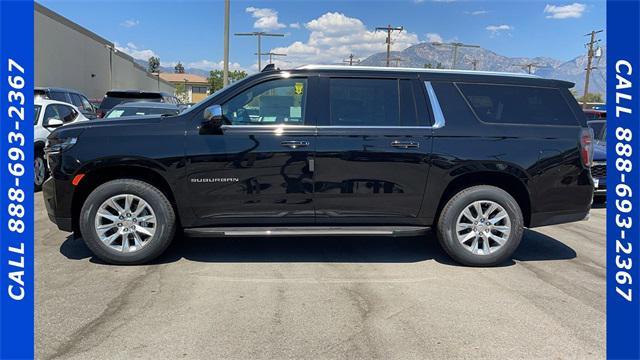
(298, 88)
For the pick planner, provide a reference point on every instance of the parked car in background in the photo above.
(332, 150)
(599, 168)
(142, 108)
(69, 96)
(115, 97)
(49, 115)
(594, 114)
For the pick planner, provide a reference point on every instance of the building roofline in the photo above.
(406, 69)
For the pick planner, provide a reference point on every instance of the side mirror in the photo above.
(213, 114)
(54, 123)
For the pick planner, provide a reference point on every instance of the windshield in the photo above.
(139, 111)
(37, 114)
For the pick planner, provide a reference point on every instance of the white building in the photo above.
(70, 56)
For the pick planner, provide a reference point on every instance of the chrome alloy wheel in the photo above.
(39, 170)
(125, 223)
(483, 227)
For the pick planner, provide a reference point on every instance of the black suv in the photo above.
(116, 97)
(331, 150)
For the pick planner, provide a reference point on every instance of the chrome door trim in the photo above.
(438, 116)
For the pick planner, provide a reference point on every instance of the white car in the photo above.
(49, 115)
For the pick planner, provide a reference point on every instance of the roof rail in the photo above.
(406, 69)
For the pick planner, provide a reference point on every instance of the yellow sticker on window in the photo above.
(298, 88)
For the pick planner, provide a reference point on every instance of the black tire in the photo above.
(165, 221)
(446, 228)
(39, 156)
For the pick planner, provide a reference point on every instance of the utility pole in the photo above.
(350, 60)
(259, 35)
(389, 29)
(474, 63)
(225, 68)
(455, 46)
(590, 55)
(528, 66)
(271, 55)
(397, 60)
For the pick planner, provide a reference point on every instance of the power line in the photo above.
(350, 61)
(590, 55)
(271, 55)
(389, 29)
(259, 35)
(455, 46)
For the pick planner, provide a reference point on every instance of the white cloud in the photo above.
(132, 50)
(496, 30)
(433, 37)
(130, 23)
(333, 36)
(209, 65)
(295, 25)
(477, 12)
(574, 10)
(267, 18)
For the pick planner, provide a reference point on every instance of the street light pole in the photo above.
(225, 71)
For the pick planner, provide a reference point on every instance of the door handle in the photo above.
(294, 144)
(405, 144)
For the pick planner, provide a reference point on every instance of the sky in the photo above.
(328, 31)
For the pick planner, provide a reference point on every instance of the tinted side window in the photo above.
(509, 104)
(279, 101)
(58, 95)
(67, 114)
(75, 100)
(364, 102)
(50, 112)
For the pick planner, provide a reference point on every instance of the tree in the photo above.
(179, 69)
(154, 64)
(215, 78)
(181, 93)
(591, 98)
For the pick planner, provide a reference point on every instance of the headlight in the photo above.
(56, 145)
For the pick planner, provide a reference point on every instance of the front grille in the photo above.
(599, 170)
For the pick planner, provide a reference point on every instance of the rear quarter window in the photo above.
(513, 104)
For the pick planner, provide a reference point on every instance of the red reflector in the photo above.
(76, 179)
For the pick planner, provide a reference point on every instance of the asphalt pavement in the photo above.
(323, 298)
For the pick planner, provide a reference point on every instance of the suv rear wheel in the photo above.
(480, 226)
(127, 221)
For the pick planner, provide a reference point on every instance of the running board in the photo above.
(308, 231)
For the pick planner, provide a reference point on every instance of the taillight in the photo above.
(586, 146)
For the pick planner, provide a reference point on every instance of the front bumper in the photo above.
(59, 211)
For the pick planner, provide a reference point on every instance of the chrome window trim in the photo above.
(438, 116)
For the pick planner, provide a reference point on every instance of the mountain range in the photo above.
(428, 53)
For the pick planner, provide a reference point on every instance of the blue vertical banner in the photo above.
(623, 182)
(16, 180)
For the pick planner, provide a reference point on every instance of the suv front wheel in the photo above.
(480, 226)
(127, 221)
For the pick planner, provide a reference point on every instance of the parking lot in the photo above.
(323, 298)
